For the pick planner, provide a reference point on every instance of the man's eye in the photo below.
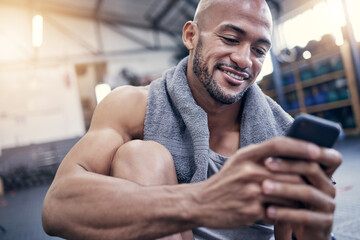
(260, 52)
(230, 40)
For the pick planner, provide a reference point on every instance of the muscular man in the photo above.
(205, 125)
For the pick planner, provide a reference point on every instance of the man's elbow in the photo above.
(48, 217)
(47, 226)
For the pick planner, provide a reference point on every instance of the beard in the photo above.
(201, 71)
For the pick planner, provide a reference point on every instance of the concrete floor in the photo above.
(347, 214)
(20, 211)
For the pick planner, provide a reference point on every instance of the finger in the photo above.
(256, 173)
(281, 146)
(311, 170)
(282, 230)
(287, 177)
(306, 194)
(246, 171)
(271, 200)
(294, 148)
(300, 216)
(330, 160)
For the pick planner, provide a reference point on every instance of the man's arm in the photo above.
(83, 202)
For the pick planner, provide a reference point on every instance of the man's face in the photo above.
(201, 70)
(231, 48)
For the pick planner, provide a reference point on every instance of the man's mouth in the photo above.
(233, 76)
(234, 73)
(238, 77)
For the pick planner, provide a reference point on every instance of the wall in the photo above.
(39, 89)
(38, 104)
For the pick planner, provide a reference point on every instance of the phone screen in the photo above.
(314, 129)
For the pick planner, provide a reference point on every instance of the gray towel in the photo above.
(175, 120)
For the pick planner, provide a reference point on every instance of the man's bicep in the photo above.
(116, 120)
(93, 153)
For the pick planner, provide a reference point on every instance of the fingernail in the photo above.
(268, 186)
(314, 150)
(273, 163)
(330, 152)
(271, 212)
(268, 160)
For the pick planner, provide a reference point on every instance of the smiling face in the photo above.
(215, 90)
(228, 43)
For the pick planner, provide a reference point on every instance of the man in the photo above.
(120, 181)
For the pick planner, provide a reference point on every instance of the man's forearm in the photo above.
(93, 206)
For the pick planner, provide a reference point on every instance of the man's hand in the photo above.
(314, 219)
(250, 187)
(234, 197)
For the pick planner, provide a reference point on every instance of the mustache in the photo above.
(235, 67)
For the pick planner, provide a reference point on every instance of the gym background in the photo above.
(59, 59)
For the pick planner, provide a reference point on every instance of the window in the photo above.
(326, 17)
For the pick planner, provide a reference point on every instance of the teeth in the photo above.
(234, 75)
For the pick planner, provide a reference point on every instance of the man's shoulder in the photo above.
(123, 110)
(129, 93)
(127, 100)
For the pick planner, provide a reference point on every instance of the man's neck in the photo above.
(224, 128)
(227, 117)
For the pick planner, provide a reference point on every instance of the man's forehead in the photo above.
(206, 3)
(258, 9)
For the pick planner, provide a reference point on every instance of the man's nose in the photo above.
(242, 56)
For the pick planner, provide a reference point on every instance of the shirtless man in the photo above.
(114, 185)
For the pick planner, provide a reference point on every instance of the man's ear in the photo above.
(190, 32)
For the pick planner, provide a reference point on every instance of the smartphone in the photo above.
(322, 132)
(314, 129)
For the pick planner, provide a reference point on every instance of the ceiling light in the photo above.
(306, 55)
(37, 30)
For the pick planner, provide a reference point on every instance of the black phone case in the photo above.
(314, 129)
